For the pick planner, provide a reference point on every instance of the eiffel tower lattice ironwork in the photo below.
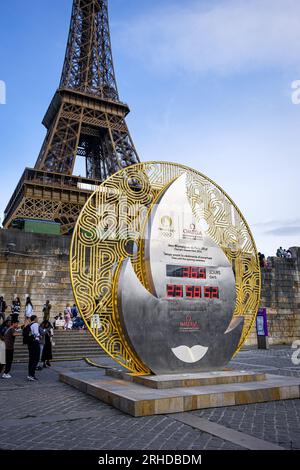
(85, 118)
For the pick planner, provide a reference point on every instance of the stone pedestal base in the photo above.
(152, 395)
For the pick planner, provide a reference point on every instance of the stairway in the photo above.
(69, 345)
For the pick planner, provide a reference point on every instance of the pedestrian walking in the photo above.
(47, 350)
(47, 310)
(42, 339)
(3, 307)
(9, 339)
(31, 337)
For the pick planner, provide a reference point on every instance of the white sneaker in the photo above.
(6, 376)
(31, 379)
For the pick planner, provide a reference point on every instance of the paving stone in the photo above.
(83, 422)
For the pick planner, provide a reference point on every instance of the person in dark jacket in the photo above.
(47, 350)
(9, 339)
(74, 311)
(3, 307)
(16, 308)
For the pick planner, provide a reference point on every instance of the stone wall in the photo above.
(281, 296)
(35, 265)
(38, 265)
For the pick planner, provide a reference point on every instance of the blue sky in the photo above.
(208, 84)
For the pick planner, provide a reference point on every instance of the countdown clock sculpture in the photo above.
(165, 270)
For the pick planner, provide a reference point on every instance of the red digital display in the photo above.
(174, 290)
(188, 272)
(193, 292)
(211, 292)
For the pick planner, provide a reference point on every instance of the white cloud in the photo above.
(277, 224)
(271, 234)
(220, 36)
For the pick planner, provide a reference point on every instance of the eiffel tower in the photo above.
(85, 118)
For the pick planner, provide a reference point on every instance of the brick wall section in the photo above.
(35, 265)
(38, 265)
(281, 297)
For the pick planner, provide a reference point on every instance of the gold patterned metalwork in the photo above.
(116, 214)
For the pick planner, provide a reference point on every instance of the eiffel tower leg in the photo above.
(60, 145)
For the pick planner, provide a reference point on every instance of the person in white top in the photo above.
(33, 347)
(28, 310)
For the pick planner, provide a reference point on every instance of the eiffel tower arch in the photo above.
(86, 118)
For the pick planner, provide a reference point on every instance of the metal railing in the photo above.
(48, 179)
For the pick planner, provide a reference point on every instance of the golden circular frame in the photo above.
(116, 214)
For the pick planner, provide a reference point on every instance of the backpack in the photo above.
(2, 331)
(28, 337)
